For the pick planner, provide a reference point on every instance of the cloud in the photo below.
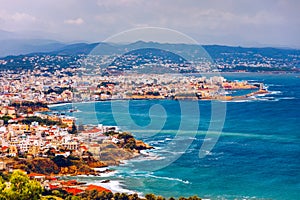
(77, 21)
(16, 16)
(13, 21)
(267, 21)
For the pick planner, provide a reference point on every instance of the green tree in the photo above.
(194, 198)
(150, 197)
(124, 196)
(160, 198)
(182, 198)
(73, 130)
(130, 144)
(117, 196)
(2, 187)
(134, 196)
(61, 161)
(21, 188)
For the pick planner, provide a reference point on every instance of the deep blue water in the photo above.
(256, 156)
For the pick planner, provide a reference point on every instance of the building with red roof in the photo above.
(73, 191)
(98, 188)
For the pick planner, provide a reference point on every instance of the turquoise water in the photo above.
(255, 157)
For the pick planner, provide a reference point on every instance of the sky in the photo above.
(228, 22)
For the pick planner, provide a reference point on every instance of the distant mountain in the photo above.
(75, 49)
(226, 58)
(27, 46)
(188, 51)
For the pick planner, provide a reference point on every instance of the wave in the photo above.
(274, 92)
(108, 174)
(239, 101)
(101, 169)
(273, 85)
(149, 157)
(115, 186)
(185, 134)
(170, 179)
(163, 177)
(287, 98)
(268, 99)
(59, 105)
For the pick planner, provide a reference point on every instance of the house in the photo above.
(11, 111)
(13, 151)
(52, 186)
(70, 145)
(37, 177)
(2, 165)
(68, 121)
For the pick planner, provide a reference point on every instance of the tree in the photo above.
(125, 136)
(130, 144)
(160, 198)
(21, 188)
(124, 196)
(117, 196)
(150, 197)
(71, 197)
(61, 161)
(73, 130)
(2, 187)
(134, 196)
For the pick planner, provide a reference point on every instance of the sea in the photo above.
(243, 149)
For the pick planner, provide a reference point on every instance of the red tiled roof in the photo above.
(69, 183)
(35, 174)
(53, 187)
(73, 191)
(4, 148)
(51, 178)
(98, 188)
(84, 148)
(94, 130)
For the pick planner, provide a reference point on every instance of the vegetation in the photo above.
(20, 187)
(57, 90)
(29, 104)
(38, 165)
(5, 119)
(61, 161)
(29, 120)
(73, 129)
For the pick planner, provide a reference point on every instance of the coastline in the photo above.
(235, 143)
(115, 185)
(193, 98)
(105, 176)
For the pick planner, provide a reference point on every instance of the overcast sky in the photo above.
(230, 22)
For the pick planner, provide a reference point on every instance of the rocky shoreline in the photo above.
(111, 155)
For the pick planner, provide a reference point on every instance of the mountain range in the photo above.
(17, 46)
(222, 55)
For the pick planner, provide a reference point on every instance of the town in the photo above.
(47, 146)
(31, 86)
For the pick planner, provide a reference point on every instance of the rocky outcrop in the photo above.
(140, 145)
